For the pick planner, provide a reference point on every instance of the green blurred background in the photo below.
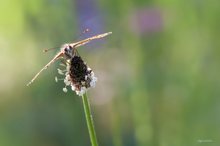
(158, 73)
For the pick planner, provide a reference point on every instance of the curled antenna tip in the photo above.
(86, 30)
(45, 50)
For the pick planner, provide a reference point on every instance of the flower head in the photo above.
(78, 75)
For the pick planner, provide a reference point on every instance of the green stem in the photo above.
(89, 120)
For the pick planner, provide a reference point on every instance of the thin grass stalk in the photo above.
(89, 120)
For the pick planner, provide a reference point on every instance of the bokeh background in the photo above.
(158, 73)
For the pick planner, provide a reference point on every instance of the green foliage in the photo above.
(158, 73)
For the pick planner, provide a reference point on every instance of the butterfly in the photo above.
(67, 51)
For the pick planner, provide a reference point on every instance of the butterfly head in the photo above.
(68, 51)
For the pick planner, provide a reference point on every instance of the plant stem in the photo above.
(89, 120)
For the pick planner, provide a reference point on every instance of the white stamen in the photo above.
(93, 81)
(82, 91)
(60, 71)
(65, 89)
(56, 79)
(67, 80)
(62, 64)
(83, 83)
(89, 69)
(73, 87)
(92, 74)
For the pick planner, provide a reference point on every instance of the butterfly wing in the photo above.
(85, 41)
(46, 66)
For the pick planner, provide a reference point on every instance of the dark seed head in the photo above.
(78, 72)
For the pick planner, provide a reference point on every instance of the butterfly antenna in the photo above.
(86, 30)
(82, 33)
(46, 50)
(45, 67)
